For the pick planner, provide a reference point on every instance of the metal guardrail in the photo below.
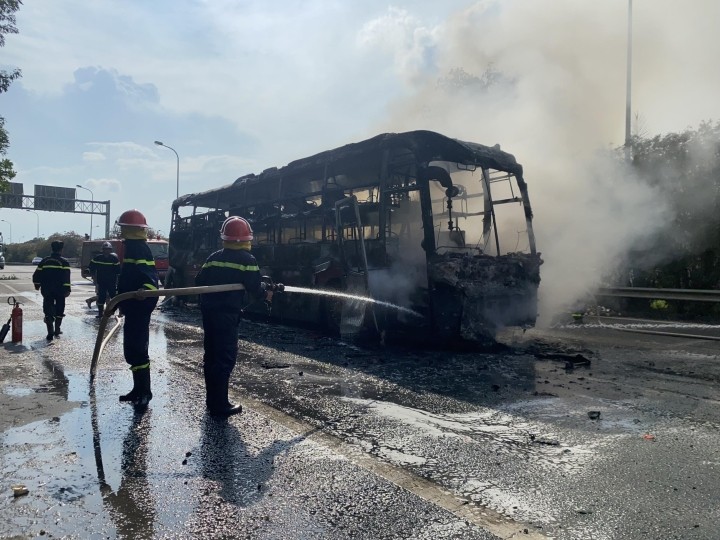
(696, 295)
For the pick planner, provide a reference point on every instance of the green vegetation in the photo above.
(7, 26)
(25, 252)
(685, 169)
(660, 305)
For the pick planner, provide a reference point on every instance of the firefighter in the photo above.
(52, 279)
(221, 311)
(137, 271)
(105, 268)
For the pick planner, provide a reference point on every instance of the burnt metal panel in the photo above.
(357, 162)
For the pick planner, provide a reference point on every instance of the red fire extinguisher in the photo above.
(16, 317)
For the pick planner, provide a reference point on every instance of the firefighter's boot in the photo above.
(219, 404)
(101, 310)
(58, 322)
(50, 329)
(140, 395)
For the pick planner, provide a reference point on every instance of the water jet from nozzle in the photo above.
(346, 296)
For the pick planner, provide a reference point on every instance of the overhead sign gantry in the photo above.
(54, 199)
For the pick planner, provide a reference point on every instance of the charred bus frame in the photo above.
(411, 219)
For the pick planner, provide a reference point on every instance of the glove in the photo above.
(37, 286)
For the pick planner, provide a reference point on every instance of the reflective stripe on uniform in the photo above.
(150, 286)
(140, 261)
(137, 368)
(235, 266)
(48, 266)
(106, 263)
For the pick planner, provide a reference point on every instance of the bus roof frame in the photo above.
(426, 146)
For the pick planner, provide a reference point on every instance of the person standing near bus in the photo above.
(221, 311)
(105, 267)
(137, 271)
(52, 279)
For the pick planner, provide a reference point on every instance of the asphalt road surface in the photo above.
(601, 430)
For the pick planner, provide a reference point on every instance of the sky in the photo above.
(236, 87)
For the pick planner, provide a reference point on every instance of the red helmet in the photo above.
(236, 229)
(132, 218)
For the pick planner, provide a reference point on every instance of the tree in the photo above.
(684, 168)
(7, 26)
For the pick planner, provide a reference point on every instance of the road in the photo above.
(586, 430)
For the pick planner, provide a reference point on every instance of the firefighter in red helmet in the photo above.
(137, 272)
(221, 311)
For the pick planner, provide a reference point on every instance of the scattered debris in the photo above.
(571, 360)
(543, 440)
(274, 365)
(582, 511)
(19, 490)
(594, 415)
(649, 437)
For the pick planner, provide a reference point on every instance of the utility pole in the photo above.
(628, 114)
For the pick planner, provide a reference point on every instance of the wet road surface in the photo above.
(342, 441)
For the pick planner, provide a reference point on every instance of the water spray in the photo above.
(346, 296)
(102, 340)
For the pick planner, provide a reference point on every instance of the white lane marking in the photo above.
(32, 296)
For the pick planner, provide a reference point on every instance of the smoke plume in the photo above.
(546, 80)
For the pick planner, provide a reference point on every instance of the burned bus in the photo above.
(439, 227)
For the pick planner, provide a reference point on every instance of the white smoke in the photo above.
(546, 80)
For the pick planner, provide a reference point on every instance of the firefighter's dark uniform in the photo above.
(52, 278)
(137, 271)
(105, 267)
(221, 317)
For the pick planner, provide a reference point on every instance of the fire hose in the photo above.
(110, 307)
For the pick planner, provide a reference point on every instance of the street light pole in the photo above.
(628, 93)
(37, 216)
(6, 221)
(92, 206)
(177, 181)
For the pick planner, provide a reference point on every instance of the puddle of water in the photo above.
(15, 391)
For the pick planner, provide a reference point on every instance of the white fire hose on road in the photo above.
(102, 340)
